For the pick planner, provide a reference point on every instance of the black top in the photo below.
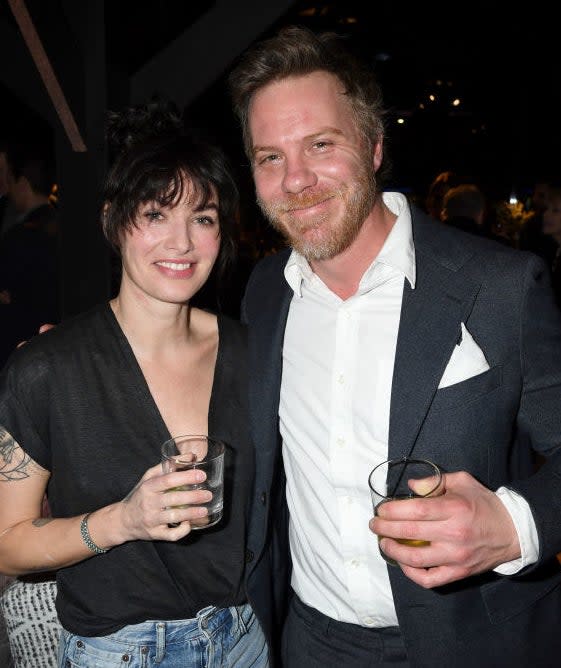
(77, 402)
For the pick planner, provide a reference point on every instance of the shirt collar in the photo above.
(398, 251)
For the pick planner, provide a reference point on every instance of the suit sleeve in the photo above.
(539, 415)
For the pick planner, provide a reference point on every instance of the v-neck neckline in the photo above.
(141, 388)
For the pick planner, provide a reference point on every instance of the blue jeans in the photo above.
(216, 638)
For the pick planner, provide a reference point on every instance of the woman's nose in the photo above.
(181, 237)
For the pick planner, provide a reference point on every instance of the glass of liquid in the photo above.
(389, 481)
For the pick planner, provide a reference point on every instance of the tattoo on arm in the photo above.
(15, 464)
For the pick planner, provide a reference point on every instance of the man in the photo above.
(465, 207)
(29, 291)
(384, 333)
(532, 236)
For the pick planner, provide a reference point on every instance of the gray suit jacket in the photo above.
(489, 425)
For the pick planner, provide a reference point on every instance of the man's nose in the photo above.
(298, 175)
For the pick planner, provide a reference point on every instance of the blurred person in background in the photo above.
(532, 236)
(439, 186)
(29, 288)
(552, 229)
(465, 207)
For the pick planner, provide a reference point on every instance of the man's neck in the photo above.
(342, 273)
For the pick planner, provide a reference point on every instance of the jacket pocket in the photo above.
(468, 390)
(507, 597)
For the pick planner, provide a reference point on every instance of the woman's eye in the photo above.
(205, 220)
(153, 216)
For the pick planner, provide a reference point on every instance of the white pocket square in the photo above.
(467, 361)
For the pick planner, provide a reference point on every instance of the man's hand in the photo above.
(469, 529)
(42, 330)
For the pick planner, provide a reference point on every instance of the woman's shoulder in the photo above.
(41, 352)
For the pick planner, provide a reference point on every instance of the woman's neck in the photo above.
(153, 328)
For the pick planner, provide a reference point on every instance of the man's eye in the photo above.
(322, 144)
(272, 157)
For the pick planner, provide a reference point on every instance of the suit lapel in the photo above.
(428, 331)
(266, 335)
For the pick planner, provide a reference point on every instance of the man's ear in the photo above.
(378, 153)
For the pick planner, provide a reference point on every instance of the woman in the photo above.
(85, 408)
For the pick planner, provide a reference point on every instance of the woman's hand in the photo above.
(157, 508)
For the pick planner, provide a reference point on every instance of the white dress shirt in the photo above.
(338, 359)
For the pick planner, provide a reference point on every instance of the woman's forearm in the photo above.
(46, 544)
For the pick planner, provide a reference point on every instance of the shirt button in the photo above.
(341, 442)
(368, 621)
(341, 379)
(355, 563)
(248, 556)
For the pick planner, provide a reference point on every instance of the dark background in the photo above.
(501, 62)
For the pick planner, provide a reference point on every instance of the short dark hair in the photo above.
(465, 200)
(297, 51)
(158, 170)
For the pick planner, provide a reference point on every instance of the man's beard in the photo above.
(317, 238)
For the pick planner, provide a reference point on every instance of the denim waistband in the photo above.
(208, 621)
(212, 628)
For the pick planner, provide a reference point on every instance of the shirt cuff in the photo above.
(519, 510)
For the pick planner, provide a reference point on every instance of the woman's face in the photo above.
(169, 254)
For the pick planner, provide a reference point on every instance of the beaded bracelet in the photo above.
(87, 538)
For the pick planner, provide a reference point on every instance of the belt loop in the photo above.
(160, 642)
(239, 621)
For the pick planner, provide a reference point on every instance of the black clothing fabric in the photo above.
(29, 272)
(314, 640)
(76, 401)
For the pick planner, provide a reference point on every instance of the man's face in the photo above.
(314, 173)
(552, 217)
(540, 196)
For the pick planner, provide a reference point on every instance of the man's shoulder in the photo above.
(456, 248)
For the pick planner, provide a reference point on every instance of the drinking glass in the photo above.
(186, 452)
(389, 481)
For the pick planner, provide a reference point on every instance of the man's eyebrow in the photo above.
(308, 138)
